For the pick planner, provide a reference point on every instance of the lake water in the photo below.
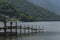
(43, 36)
(51, 31)
(38, 36)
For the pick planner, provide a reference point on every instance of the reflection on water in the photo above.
(22, 37)
(38, 36)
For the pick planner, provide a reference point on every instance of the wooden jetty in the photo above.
(11, 33)
(20, 28)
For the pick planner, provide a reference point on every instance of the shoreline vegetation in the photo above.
(9, 11)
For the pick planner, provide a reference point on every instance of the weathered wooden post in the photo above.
(36, 28)
(43, 29)
(28, 29)
(20, 30)
(16, 28)
(32, 28)
(11, 27)
(24, 29)
(39, 28)
(5, 26)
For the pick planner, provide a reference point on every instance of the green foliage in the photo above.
(10, 10)
(7, 9)
(24, 17)
(1, 18)
(28, 9)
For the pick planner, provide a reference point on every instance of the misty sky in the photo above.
(53, 5)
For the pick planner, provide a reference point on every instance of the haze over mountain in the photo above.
(52, 5)
(39, 12)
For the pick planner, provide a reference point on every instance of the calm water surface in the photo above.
(38, 36)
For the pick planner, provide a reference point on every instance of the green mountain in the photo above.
(9, 12)
(30, 9)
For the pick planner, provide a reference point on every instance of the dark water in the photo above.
(38, 36)
(44, 36)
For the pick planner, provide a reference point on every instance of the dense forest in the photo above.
(40, 13)
(25, 11)
(9, 10)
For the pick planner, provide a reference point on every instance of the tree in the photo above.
(7, 9)
(26, 18)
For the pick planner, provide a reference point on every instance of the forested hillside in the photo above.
(8, 10)
(26, 11)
